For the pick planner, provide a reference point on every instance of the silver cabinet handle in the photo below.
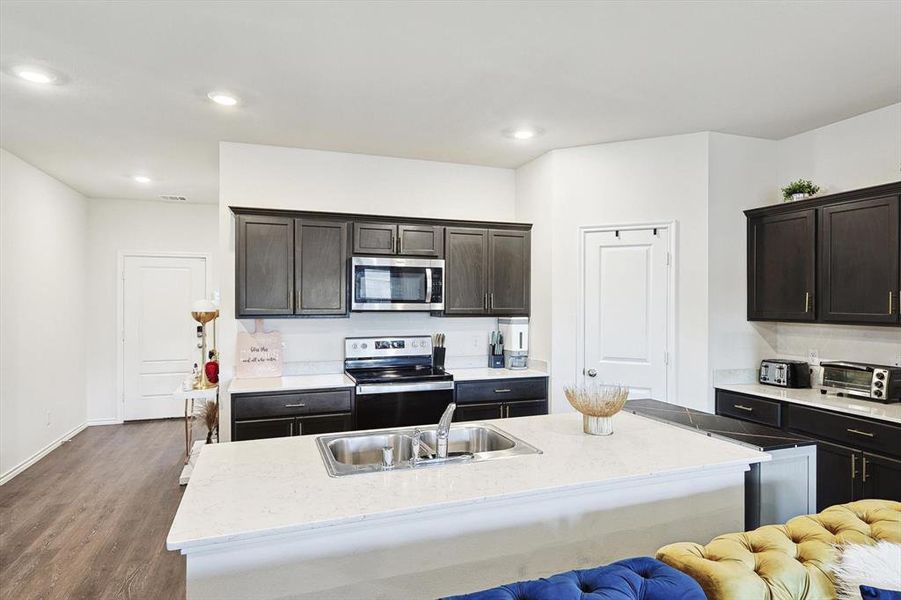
(501, 391)
(806, 302)
(743, 407)
(491, 301)
(853, 466)
(859, 432)
(485, 302)
(501, 407)
(508, 411)
(864, 474)
(298, 405)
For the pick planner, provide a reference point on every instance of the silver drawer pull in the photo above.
(502, 391)
(743, 407)
(298, 405)
(859, 432)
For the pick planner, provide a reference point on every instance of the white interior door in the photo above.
(160, 344)
(625, 321)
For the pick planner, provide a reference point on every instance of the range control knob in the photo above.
(355, 346)
(364, 345)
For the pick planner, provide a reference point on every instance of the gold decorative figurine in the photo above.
(203, 312)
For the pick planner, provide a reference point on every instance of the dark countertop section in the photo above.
(760, 436)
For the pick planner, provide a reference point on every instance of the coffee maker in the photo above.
(516, 341)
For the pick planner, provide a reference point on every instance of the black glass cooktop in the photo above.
(398, 374)
(762, 436)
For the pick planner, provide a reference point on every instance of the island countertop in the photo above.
(253, 489)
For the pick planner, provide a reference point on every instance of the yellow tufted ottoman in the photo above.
(784, 562)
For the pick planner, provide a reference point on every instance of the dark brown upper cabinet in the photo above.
(509, 259)
(846, 247)
(487, 272)
(375, 238)
(466, 271)
(321, 267)
(859, 261)
(264, 266)
(398, 240)
(782, 267)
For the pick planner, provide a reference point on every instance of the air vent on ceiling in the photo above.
(173, 198)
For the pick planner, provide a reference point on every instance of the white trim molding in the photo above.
(672, 298)
(19, 468)
(95, 422)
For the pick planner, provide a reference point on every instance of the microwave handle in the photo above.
(428, 285)
(845, 365)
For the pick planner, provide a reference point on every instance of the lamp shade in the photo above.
(203, 306)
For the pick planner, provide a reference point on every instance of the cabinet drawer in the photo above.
(748, 408)
(847, 430)
(501, 390)
(299, 403)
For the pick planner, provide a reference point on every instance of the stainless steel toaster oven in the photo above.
(875, 382)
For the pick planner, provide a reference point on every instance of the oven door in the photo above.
(397, 284)
(383, 409)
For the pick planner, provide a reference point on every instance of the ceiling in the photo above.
(428, 80)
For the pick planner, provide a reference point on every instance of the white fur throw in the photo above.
(877, 565)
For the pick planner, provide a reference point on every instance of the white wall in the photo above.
(292, 178)
(861, 151)
(742, 175)
(653, 180)
(131, 225)
(42, 283)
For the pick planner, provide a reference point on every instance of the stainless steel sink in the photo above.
(364, 452)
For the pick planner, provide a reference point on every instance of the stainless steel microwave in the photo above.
(388, 283)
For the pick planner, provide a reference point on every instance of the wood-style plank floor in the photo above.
(90, 520)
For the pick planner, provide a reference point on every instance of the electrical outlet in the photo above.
(813, 356)
(476, 342)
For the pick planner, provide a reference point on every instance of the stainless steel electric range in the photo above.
(396, 384)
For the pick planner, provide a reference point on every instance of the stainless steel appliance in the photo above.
(396, 384)
(388, 283)
(785, 373)
(516, 341)
(875, 382)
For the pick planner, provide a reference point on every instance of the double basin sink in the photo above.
(366, 451)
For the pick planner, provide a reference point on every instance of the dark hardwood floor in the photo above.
(90, 520)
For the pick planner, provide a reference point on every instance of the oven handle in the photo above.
(845, 365)
(393, 388)
(428, 285)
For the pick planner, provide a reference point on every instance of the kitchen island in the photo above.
(262, 519)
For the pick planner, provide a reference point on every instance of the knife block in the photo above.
(495, 361)
(438, 358)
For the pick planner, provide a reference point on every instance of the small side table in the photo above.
(189, 396)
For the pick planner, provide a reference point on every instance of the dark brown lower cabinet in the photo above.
(500, 410)
(837, 474)
(880, 476)
(317, 424)
(260, 429)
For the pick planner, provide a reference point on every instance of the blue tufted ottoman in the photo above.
(639, 578)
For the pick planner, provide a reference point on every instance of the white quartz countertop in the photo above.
(289, 383)
(830, 401)
(254, 489)
(484, 373)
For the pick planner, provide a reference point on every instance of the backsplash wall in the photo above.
(315, 346)
(880, 345)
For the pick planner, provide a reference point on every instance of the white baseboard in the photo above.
(41, 453)
(92, 422)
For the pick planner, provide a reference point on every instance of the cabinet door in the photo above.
(262, 429)
(264, 266)
(420, 240)
(479, 412)
(859, 261)
(321, 267)
(781, 267)
(375, 238)
(466, 271)
(881, 477)
(509, 256)
(838, 473)
(318, 424)
(526, 409)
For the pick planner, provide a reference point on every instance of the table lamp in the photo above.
(203, 312)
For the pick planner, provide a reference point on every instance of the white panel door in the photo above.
(160, 337)
(625, 320)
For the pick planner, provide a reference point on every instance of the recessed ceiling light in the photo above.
(35, 75)
(222, 98)
(522, 133)
(141, 179)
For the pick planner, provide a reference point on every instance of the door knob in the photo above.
(592, 373)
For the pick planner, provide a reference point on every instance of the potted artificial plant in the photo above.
(799, 190)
